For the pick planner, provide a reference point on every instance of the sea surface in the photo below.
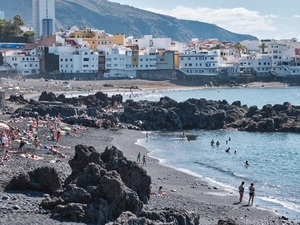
(274, 158)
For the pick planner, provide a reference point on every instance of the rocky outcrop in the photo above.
(17, 99)
(167, 114)
(44, 179)
(103, 187)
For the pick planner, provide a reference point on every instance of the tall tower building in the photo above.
(2, 15)
(43, 17)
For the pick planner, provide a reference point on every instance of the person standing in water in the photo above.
(251, 193)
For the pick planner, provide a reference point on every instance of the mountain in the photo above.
(116, 18)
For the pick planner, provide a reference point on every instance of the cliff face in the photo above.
(116, 18)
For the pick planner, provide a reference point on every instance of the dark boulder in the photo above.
(44, 179)
(47, 96)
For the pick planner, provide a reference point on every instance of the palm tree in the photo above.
(239, 47)
(263, 46)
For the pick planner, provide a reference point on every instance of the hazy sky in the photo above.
(262, 18)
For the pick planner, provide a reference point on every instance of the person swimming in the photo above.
(212, 142)
(247, 163)
(227, 150)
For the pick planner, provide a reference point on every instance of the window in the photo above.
(190, 64)
(86, 59)
(66, 60)
(85, 65)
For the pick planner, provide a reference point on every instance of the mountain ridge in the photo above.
(116, 18)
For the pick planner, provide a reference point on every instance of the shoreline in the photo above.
(182, 186)
(185, 190)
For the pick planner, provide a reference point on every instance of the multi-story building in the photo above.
(23, 62)
(95, 38)
(199, 62)
(255, 64)
(43, 17)
(49, 41)
(118, 62)
(149, 42)
(147, 59)
(76, 57)
(165, 60)
(2, 15)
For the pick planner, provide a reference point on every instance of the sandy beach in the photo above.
(184, 190)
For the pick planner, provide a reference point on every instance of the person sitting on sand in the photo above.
(7, 156)
(162, 193)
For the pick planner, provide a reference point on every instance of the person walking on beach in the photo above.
(138, 158)
(241, 191)
(144, 160)
(251, 193)
(147, 135)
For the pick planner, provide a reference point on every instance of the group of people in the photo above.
(138, 159)
(251, 192)
(48, 128)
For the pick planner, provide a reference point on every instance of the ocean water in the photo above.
(274, 158)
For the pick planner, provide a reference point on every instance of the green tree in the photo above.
(239, 47)
(11, 28)
(263, 46)
(29, 33)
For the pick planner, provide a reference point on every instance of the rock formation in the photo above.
(102, 188)
(167, 114)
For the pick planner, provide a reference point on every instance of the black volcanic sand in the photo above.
(185, 191)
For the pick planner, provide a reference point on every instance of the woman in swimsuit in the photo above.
(241, 191)
(251, 193)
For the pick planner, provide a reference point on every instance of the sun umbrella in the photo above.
(17, 88)
(66, 128)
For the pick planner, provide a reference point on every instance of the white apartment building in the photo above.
(147, 59)
(148, 41)
(2, 15)
(24, 62)
(80, 60)
(251, 45)
(177, 47)
(199, 62)
(118, 62)
(282, 55)
(255, 64)
(43, 17)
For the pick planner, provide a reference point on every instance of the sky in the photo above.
(264, 19)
